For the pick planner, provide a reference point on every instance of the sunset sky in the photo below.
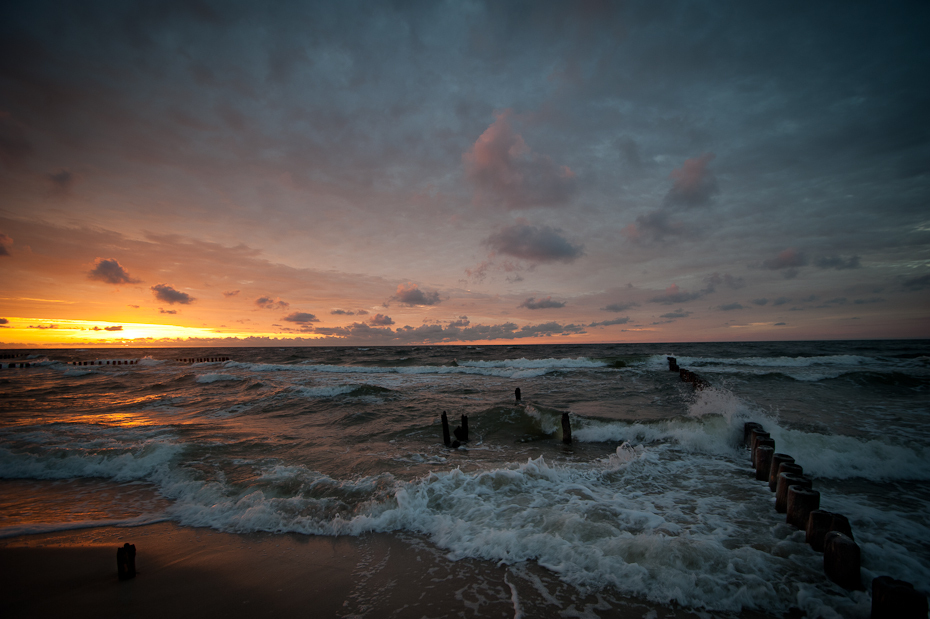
(244, 173)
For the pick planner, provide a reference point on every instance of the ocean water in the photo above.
(654, 500)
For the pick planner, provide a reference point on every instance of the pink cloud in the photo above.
(506, 170)
(694, 182)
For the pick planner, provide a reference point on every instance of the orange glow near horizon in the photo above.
(65, 332)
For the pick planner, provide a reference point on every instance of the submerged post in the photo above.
(566, 429)
(516, 392)
(672, 364)
(445, 430)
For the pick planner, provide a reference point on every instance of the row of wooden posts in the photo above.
(12, 366)
(825, 531)
(112, 362)
(203, 360)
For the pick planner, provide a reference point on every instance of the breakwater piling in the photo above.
(203, 360)
(825, 531)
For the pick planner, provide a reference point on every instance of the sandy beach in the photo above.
(189, 572)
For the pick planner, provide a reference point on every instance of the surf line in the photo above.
(825, 531)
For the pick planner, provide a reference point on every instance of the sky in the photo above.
(408, 173)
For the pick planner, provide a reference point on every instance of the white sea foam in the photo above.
(63, 462)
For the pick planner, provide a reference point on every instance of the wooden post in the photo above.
(566, 429)
(465, 427)
(126, 561)
(785, 481)
(777, 460)
(801, 502)
(516, 392)
(764, 455)
(748, 427)
(841, 560)
(445, 430)
(768, 442)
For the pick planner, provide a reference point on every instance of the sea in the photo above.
(655, 499)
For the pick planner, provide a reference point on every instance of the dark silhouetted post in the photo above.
(748, 427)
(566, 429)
(841, 560)
(516, 392)
(801, 502)
(672, 364)
(777, 461)
(126, 561)
(446, 440)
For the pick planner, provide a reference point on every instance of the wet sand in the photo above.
(186, 572)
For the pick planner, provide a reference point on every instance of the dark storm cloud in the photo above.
(301, 317)
(110, 271)
(267, 302)
(676, 314)
(534, 244)
(4, 321)
(534, 304)
(607, 323)
(837, 262)
(381, 320)
(410, 294)
(788, 261)
(674, 295)
(342, 312)
(694, 183)
(460, 323)
(618, 307)
(164, 292)
(505, 169)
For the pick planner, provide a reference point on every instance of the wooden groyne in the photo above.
(825, 531)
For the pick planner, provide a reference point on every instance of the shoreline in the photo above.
(201, 572)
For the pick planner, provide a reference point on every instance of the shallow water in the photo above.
(654, 499)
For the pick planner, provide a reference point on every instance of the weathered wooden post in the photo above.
(764, 454)
(748, 427)
(672, 364)
(445, 430)
(801, 502)
(777, 460)
(516, 392)
(821, 522)
(841, 560)
(760, 442)
(566, 429)
(785, 481)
